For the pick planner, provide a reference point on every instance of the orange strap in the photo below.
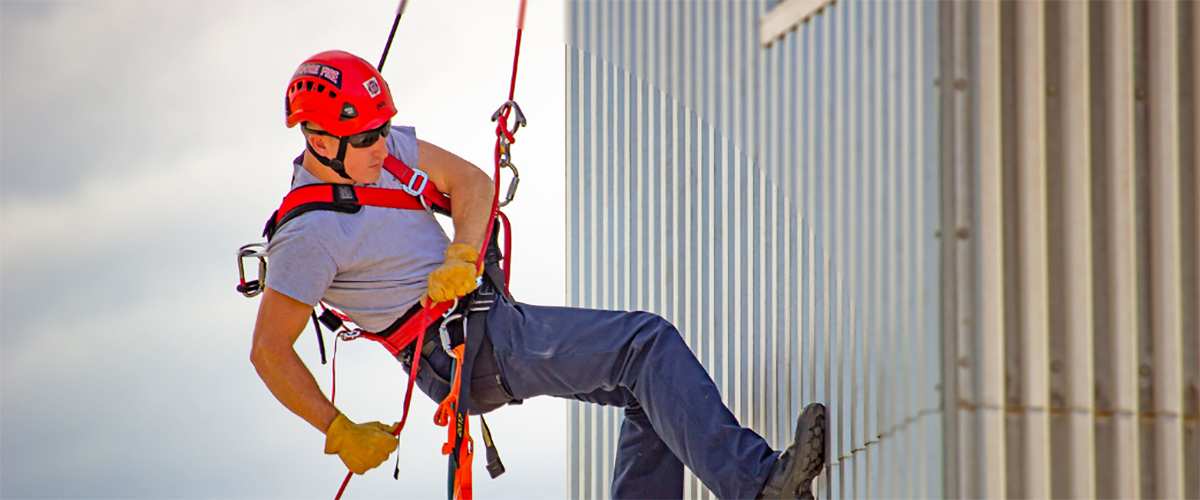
(448, 411)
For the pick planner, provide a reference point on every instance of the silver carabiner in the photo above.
(253, 287)
(512, 185)
(444, 333)
(350, 334)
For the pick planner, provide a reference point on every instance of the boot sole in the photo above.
(810, 457)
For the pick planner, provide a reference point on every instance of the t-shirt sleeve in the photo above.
(299, 266)
(402, 143)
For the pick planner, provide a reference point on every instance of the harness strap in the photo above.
(417, 193)
(418, 183)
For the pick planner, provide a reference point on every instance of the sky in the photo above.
(142, 143)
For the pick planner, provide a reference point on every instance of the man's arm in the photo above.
(281, 320)
(470, 190)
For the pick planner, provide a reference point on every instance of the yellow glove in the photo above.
(361, 447)
(456, 276)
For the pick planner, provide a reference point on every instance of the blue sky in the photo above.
(141, 143)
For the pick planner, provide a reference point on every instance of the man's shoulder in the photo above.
(314, 227)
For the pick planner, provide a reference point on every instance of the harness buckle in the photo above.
(253, 287)
(412, 187)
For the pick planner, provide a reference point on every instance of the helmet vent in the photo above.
(320, 87)
(308, 85)
(332, 95)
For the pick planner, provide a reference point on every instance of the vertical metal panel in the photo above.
(771, 222)
(1031, 150)
(908, 470)
(876, 373)
(981, 359)
(788, 207)
(1077, 182)
(1122, 248)
(986, 438)
(1165, 262)
(1191, 329)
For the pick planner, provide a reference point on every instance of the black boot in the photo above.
(792, 475)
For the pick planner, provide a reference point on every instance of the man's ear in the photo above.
(318, 143)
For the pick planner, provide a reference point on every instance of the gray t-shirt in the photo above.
(372, 265)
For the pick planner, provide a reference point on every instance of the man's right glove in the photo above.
(361, 447)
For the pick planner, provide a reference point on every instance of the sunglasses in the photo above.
(361, 139)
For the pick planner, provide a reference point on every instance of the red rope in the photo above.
(501, 131)
(333, 371)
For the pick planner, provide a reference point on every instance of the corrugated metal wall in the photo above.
(779, 205)
(970, 228)
(1073, 169)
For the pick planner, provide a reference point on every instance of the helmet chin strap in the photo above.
(337, 164)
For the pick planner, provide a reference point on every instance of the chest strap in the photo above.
(415, 193)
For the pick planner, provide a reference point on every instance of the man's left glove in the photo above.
(456, 276)
(361, 447)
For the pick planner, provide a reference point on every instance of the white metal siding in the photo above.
(969, 228)
(1087, 338)
(778, 204)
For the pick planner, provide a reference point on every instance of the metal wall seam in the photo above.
(836, 248)
(876, 386)
(955, 192)
(571, 149)
(892, 410)
(809, 264)
(822, 166)
(1032, 234)
(1192, 342)
(926, 266)
(640, 244)
(770, 101)
(1122, 244)
(605, 252)
(904, 202)
(1077, 202)
(911, 243)
(592, 254)
(985, 439)
(662, 144)
(758, 150)
(849, 250)
(1165, 258)
(626, 265)
(711, 267)
(791, 230)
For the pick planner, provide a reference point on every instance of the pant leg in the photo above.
(645, 466)
(568, 352)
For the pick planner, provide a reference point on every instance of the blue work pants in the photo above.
(674, 415)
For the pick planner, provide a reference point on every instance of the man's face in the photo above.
(364, 165)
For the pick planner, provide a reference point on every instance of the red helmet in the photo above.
(340, 93)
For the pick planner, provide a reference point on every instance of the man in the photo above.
(379, 264)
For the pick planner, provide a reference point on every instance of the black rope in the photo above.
(320, 338)
(388, 47)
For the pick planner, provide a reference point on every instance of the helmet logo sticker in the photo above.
(322, 71)
(372, 86)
